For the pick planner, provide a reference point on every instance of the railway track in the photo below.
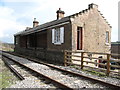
(31, 80)
(64, 85)
(13, 69)
(59, 85)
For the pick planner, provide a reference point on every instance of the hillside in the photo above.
(6, 46)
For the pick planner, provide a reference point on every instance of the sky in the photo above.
(16, 15)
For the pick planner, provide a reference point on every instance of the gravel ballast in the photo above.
(69, 80)
(30, 81)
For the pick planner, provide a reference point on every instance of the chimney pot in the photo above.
(35, 23)
(92, 5)
(34, 19)
(60, 13)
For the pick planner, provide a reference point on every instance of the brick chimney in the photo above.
(92, 5)
(60, 13)
(35, 23)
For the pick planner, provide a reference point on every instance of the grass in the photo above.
(6, 77)
(74, 66)
(100, 74)
(7, 49)
(5, 80)
(95, 72)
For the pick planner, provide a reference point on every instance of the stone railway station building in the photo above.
(87, 30)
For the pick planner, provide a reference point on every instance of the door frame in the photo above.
(79, 38)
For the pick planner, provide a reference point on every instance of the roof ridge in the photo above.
(66, 18)
(79, 13)
(104, 19)
(86, 10)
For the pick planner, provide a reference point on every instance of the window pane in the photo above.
(58, 34)
(53, 35)
(62, 34)
(107, 37)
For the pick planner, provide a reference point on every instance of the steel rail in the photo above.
(76, 74)
(13, 70)
(73, 73)
(61, 85)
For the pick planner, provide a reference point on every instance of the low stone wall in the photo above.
(55, 56)
(115, 48)
(42, 54)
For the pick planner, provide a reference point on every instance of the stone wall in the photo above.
(94, 37)
(41, 39)
(115, 48)
(94, 31)
(42, 54)
(67, 39)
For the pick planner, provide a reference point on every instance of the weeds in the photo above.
(6, 77)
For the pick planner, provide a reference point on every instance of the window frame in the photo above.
(107, 37)
(57, 37)
(16, 40)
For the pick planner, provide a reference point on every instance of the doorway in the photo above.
(79, 38)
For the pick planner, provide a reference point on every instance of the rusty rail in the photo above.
(73, 73)
(13, 70)
(52, 80)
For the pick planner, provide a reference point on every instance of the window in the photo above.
(107, 37)
(17, 40)
(32, 40)
(58, 35)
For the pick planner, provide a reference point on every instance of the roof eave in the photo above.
(40, 28)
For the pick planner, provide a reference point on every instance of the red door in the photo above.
(79, 38)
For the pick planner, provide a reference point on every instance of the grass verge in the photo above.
(6, 77)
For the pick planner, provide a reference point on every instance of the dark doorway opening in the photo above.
(79, 38)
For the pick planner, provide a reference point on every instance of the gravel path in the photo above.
(69, 80)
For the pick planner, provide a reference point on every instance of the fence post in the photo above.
(82, 60)
(70, 57)
(65, 53)
(108, 64)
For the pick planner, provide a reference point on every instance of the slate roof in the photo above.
(43, 26)
(55, 22)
